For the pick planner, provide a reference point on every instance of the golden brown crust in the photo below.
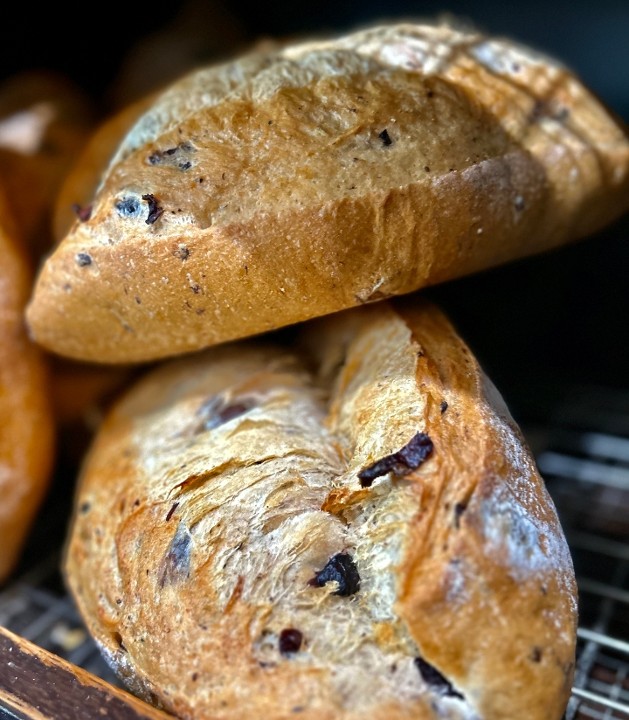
(221, 485)
(26, 440)
(317, 177)
(499, 508)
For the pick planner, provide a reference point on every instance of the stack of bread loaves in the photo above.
(340, 520)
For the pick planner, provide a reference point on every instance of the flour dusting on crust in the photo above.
(520, 517)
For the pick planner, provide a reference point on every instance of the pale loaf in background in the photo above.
(348, 526)
(294, 183)
(44, 122)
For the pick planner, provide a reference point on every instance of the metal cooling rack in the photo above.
(582, 448)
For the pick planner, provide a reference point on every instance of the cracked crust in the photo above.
(230, 563)
(320, 176)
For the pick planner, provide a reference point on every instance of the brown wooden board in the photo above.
(37, 685)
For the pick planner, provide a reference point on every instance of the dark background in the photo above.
(92, 44)
(553, 321)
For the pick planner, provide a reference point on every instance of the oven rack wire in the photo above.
(581, 443)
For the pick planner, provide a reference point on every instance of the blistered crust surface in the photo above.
(254, 556)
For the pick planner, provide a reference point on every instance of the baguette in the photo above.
(292, 184)
(348, 527)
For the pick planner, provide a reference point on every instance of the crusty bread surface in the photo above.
(345, 526)
(315, 177)
(26, 435)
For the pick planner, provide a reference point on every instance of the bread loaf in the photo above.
(44, 122)
(347, 527)
(320, 176)
(26, 436)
